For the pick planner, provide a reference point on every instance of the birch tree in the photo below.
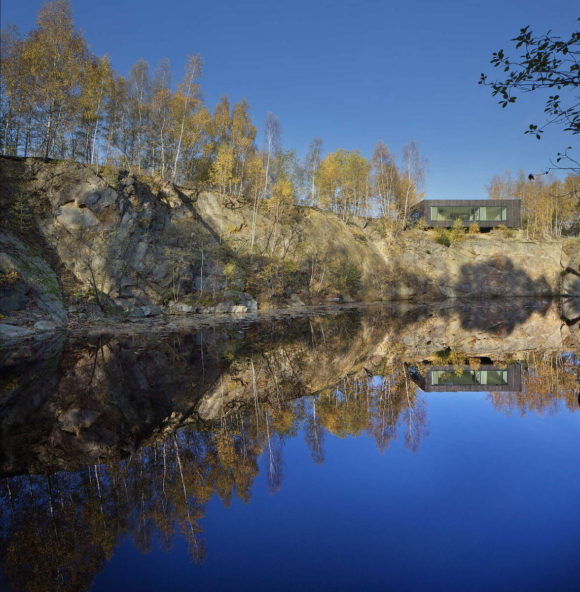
(161, 116)
(243, 134)
(95, 90)
(311, 164)
(188, 93)
(385, 180)
(272, 145)
(414, 176)
(52, 57)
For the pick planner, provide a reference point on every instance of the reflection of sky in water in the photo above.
(370, 485)
(488, 502)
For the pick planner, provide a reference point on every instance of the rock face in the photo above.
(571, 271)
(28, 284)
(570, 286)
(134, 244)
(481, 266)
(116, 240)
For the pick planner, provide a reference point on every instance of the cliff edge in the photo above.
(86, 242)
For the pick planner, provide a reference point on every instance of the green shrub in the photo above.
(344, 278)
(275, 279)
(457, 232)
(20, 213)
(505, 231)
(234, 275)
(8, 278)
(448, 236)
(420, 224)
(441, 236)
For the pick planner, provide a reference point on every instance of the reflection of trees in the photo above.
(380, 406)
(548, 383)
(60, 530)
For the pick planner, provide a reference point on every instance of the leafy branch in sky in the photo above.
(546, 62)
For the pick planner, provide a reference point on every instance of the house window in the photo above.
(451, 213)
(468, 213)
(469, 377)
(493, 213)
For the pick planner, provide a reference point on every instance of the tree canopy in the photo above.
(59, 100)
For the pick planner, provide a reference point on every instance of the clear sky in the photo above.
(350, 72)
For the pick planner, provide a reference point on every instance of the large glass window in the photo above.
(450, 213)
(469, 377)
(493, 213)
(468, 213)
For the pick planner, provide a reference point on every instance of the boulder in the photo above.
(249, 302)
(223, 307)
(44, 326)
(11, 331)
(295, 300)
(571, 285)
(571, 309)
(180, 307)
(74, 218)
(151, 310)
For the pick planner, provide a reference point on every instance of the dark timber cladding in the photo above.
(487, 213)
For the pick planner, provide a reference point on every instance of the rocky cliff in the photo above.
(80, 242)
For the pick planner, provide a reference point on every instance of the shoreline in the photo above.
(165, 323)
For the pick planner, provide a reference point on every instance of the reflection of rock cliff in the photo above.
(74, 403)
(143, 431)
(94, 401)
(493, 327)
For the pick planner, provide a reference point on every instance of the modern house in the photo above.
(487, 378)
(487, 213)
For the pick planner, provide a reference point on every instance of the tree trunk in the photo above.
(48, 133)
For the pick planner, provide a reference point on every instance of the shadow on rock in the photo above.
(501, 316)
(499, 277)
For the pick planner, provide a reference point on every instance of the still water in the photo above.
(415, 448)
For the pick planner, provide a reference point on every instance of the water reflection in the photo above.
(134, 435)
(477, 375)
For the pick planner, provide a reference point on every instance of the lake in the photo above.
(405, 447)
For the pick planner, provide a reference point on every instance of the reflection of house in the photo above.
(486, 378)
(486, 212)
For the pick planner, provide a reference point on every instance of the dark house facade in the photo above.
(486, 213)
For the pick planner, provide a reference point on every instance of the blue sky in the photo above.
(350, 72)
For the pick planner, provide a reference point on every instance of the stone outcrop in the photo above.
(30, 287)
(106, 242)
(571, 270)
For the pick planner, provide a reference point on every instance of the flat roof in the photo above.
(466, 202)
